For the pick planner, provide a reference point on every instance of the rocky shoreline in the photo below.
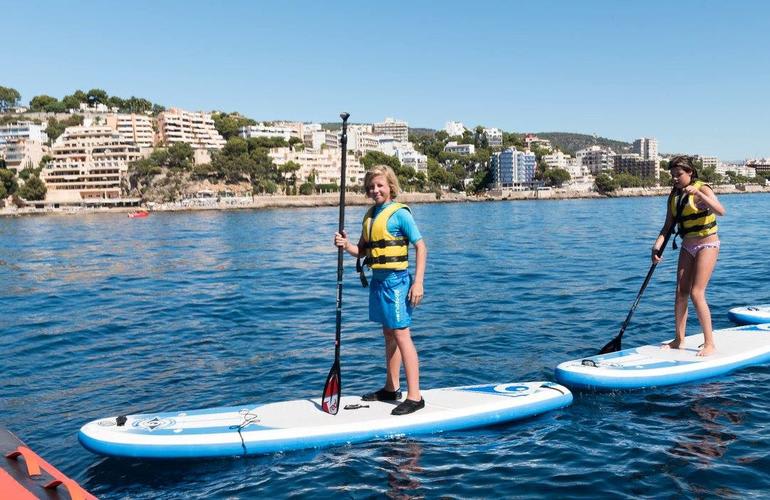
(332, 199)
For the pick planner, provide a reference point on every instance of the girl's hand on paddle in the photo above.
(341, 240)
(655, 257)
(416, 294)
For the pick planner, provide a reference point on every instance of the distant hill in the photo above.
(569, 142)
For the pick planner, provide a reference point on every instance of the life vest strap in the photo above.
(697, 229)
(385, 259)
(386, 243)
(697, 215)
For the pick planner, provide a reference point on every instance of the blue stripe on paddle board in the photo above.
(231, 449)
(579, 380)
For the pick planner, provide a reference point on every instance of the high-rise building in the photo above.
(646, 148)
(134, 127)
(397, 129)
(90, 165)
(634, 164)
(596, 158)
(512, 168)
(494, 137)
(194, 128)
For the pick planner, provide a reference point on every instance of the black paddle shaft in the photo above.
(332, 393)
(614, 344)
(340, 250)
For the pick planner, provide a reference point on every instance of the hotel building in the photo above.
(512, 168)
(194, 128)
(397, 129)
(324, 164)
(646, 148)
(596, 159)
(136, 128)
(632, 163)
(22, 145)
(90, 165)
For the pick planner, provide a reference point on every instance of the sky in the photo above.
(693, 74)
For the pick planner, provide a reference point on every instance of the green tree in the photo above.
(97, 96)
(605, 184)
(33, 189)
(42, 102)
(557, 177)
(9, 98)
(229, 125)
(8, 181)
(56, 128)
(709, 175)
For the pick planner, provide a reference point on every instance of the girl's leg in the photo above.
(392, 360)
(684, 273)
(705, 262)
(407, 354)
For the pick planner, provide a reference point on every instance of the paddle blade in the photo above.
(611, 346)
(330, 401)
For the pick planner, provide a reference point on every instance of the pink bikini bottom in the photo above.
(693, 248)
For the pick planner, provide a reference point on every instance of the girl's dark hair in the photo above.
(686, 163)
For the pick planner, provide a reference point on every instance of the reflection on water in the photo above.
(402, 463)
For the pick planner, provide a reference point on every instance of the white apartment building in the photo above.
(596, 158)
(362, 138)
(557, 160)
(324, 164)
(512, 168)
(90, 165)
(646, 148)
(462, 149)
(22, 153)
(22, 144)
(454, 129)
(743, 170)
(398, 130)
(708, 161)
(195, 128)
(136, 128)
(23, 130)
(494, 137)
(277, 131)
(410, 157)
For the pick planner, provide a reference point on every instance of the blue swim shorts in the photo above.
(389, 300)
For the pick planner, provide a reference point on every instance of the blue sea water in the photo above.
(103, 315)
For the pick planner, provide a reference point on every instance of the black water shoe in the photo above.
(382, 395)
(408, 406)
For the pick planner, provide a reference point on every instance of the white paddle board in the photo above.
(291, 425)
(651, 365)
(749, 315)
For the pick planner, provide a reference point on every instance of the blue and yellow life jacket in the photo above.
(383, 250)
(691, 220)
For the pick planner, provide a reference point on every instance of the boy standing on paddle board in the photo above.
(388, 229)
(694, 209)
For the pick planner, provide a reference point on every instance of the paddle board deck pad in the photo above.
(651, 365)
(292, 425)
(750, 315)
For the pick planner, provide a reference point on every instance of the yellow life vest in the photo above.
(383, 250)
(693, 221)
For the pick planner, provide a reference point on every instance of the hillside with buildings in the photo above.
(92, 149)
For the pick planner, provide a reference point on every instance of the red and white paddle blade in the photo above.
(330, 401)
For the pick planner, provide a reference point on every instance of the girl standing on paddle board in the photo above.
(693, 207)
(388, 229)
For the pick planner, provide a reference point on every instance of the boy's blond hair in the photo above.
(390, 177)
